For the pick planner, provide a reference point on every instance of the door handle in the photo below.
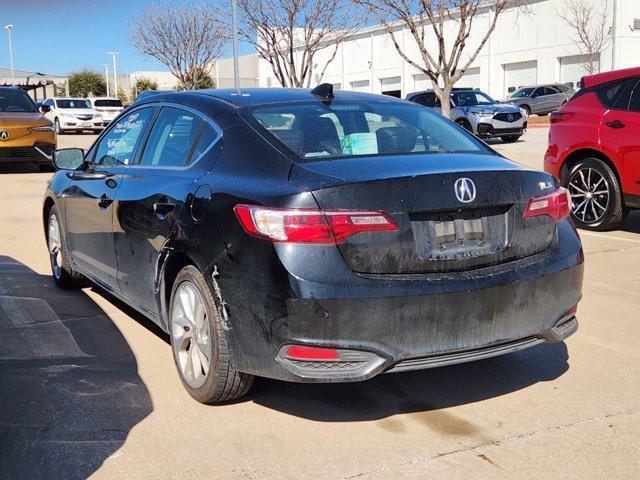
(88, 176)
(104, 202)
(162, 209)
(615, 124)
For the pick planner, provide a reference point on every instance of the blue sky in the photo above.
(59, 36)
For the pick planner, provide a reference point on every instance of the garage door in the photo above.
(573, 68)
(360, 86)
(520, 74)
(470, 79)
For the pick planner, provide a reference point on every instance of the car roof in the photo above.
(600, 78)
(246, 97)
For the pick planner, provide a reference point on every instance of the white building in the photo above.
(524, 49)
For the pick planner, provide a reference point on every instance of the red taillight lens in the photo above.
(557, 117)
(556, 205)
(310, 226)
(311, 354)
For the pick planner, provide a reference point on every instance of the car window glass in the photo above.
(634, 105)
(552, 91)
(171, 138)
(469, 99)
(15, 101)
(349, 129)
(207, 137)
(117, 146)
(616, 94)
(74, 103)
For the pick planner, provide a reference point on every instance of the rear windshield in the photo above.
(16, 101)
(341, 129)
(78, 103)
(108, 103)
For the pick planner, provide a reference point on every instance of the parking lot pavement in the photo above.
(89, 386)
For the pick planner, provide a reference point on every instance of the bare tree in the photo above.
(590, 28)
(289, 33)
(185, 37)
(444, 62)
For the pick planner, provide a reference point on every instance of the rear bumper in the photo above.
(397, 323)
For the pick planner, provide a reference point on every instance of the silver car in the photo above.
(479, 113)
(541, 99)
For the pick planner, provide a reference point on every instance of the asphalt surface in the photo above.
(88, 387)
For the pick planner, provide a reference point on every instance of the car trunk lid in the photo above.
(437, 232)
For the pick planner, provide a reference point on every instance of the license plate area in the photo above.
(463, 233)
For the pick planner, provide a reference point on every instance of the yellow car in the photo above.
(25, 135)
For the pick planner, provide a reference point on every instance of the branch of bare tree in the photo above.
(440, 30)
(590, 27)
(185, 37)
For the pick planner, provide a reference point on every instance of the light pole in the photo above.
(8, 28)
(234, 22)
(115, 73)
(106, 76)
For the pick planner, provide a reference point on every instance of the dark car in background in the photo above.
(312, 237)
(594, 148)
(540, 99)
(478, 113)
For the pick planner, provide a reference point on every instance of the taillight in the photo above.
(299, 225)
(557, 117)
(556, 205)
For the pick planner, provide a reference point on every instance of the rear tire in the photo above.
(198, 342)
(596, 196)
(510, 138)
(63, 273)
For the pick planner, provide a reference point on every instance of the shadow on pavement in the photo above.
(415, 392)
(632, 222)
(70, 390)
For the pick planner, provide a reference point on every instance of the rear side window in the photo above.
(428, 99)
(171, 138)
(634, 105)
(207, 137)
(341, 129)
(617, 94)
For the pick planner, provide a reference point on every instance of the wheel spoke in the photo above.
(185, 302)
(598, 205)
(575, 187)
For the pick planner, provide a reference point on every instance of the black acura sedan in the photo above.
(313, 237)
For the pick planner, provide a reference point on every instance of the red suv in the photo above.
(594, 148)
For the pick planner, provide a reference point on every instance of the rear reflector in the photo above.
(556, 205)
(557, 117)
(311, 354)
(310, 226)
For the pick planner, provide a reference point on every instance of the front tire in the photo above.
(527, 109)
(63, 273)
(465, 124)
(198, 342)
(510, 138)
(596, 196)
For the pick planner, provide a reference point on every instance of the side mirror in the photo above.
(68, 158)
(45, 108)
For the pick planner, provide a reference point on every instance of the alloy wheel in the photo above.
(190, 334)
(590, 194)
(55, 246)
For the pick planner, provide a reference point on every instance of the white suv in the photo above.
(108, 107)
(73, 114)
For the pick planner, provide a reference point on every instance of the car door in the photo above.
(620, 136)
(537, 100)
(90, 195)
(153, 195)
(555, 98)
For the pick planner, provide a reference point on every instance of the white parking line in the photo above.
(610, 237)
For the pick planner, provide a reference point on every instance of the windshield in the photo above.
(108, 103)
(315, 130)
(523, 92)
(16, 101)
(73, 103)
(469, 99)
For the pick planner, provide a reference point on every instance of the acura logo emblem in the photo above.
(4, 135)
(510, 117)
(465, 190)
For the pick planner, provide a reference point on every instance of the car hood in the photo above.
(510, 100)
(15, 119)
(77, 111)
(495, 108)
